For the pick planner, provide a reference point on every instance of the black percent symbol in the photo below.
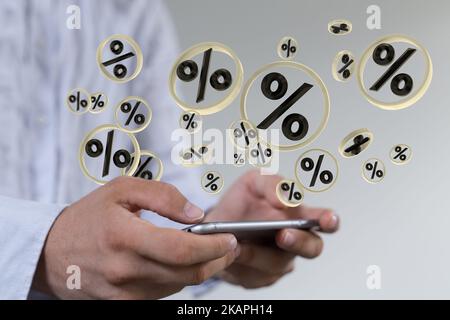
(243, 132)
(116, 47)
(277, 93)
(286, 187)
(76, 98)
(121, 158)
(288, 48)
(189, 154)
(142, 171)
(339, 28)
(325, 176)
(220, 80)
(212, 182)
(189, 120)
(347, 61)
(400, 153)
(356, 147)
(238, 159)
(97, 102)
(402, 83)
(373, 169)
(261, 153)
(126, 108)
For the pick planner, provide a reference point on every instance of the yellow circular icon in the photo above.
(78, 101)
(186, 70)
(99, 101)
(96, 149)
(317, 170)
(402, 85)
(287, 48)
(191, 121)
(289, 193)
(343, 66)
(295, 127)
(400, 154)
(355, 143)
(212, 182)
(147, 164)
(130, 117)
(373, 170)
(340, 27)
(119, 58)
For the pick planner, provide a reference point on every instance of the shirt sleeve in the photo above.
(24, 226)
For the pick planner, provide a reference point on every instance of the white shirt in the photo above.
(41, 60)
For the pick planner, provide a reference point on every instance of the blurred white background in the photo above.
(401, 224)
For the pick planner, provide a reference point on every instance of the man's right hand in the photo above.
(122, 256)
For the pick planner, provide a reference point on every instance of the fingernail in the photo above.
(233, 243)
(334, 221)
(288, 239)
(193, 212)
(237, 251)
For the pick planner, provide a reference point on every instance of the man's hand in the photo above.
(253, 197)
(124, 257)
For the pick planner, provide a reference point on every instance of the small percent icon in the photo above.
(98, 102)
(289, 194)
(220, 80)
(134, 121)
(314, 161)
(94, 148)
(260, 155)
(212, 182)
(355, 143)
(191, 121)
(244, 134)
(78, 101)
(150, 166)
(116, 45)
(400, 154)
(278, 93)
(343, 73)
(373, 170)
(195, 156)
(239, 159)
(340, 27)
(287, 48)
(402, 83)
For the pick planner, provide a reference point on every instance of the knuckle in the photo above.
(200, 275)
(182, 255)
(117, 274)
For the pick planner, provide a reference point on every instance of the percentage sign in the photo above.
(121, 158)
(190, 121)
(402, 83)
(343, 27)
(374, 170)
(244, 131)
(212, 182)
(120, 71)
(98, 102)
(289, 194)
(142, 171)
(287, 48)
(239, 159)
(198, 153)
(78, 101)
(278, 93)
(134, 121)
(326, 176)
(311, 173)
(356, 147)
(220, 80)
(261, 155)
(347, 61)
(401, 154)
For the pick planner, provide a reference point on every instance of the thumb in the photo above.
(135, 194)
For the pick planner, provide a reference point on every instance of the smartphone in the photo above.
(253, 231)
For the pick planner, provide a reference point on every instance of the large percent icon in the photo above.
(78, 101)
(289, 193)
(243, 134)
(373, 170)
(99, 101)
(186, 70)
(150, 167)
(317, 170)
(191, 121)
(274, 86)
(343, 66)
(133, 114)
(119, 58)
(340, 27)
(400, 154)
(355, 143)
(212, 182)
(401, 85)
(287, 48)
(102, 159)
